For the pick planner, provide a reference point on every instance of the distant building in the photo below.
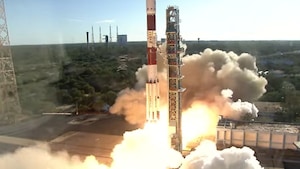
(122, 40)
(268, 107)
(268, 110)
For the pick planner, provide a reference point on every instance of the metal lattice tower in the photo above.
(9, 99)
(174, 76)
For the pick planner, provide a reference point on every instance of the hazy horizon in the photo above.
(48, 22)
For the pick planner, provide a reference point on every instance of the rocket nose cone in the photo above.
(150, 5)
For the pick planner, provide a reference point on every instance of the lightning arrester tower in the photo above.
(93, 39)
(9, 99)
(110, 37)
(174, 77)
(100, 36)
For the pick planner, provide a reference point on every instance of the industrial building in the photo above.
(122, 40)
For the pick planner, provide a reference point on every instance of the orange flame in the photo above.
(198, 122)
(151, 142)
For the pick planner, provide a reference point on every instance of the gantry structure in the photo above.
(9, 99)
(174, 76)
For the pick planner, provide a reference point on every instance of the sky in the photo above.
(67, 21)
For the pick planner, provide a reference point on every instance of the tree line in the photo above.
(91, 80)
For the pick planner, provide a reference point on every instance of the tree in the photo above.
(291, 106)
(110, 97)
(274, 96)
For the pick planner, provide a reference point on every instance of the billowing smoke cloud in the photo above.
(139, 149)
(131, 103)
(145, 148)
(206, 156)
(40, 157)
(206, 75)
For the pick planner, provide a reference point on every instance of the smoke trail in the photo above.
(207, 156)
(206, 75)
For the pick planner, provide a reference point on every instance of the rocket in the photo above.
(152, 85)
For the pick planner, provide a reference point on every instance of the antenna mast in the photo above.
(9, 99)
(117, 32)
(100, 36)
(93, 40)
(110, 38)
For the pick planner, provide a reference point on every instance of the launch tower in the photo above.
(174, 76)
(9, 99)
(152, 85)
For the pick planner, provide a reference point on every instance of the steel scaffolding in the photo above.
(9, 99)
(174, 76)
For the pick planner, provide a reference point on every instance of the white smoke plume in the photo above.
(243, 108)
(145, 148)
(141, 148)
(131, 103)
(41, 157)
(206, 156)
(206, 75)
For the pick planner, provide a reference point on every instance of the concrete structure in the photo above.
(122, 40)
(152, 86)
(87, 40)
(9, 99)
(106, 40)
(174, 77)
(268, 107)
(268, 110)
(255, 138)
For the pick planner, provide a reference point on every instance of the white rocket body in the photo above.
(152, 86)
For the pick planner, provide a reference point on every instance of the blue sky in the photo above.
(67, 21)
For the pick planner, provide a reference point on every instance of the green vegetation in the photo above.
(52, 75)
(91, 78)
